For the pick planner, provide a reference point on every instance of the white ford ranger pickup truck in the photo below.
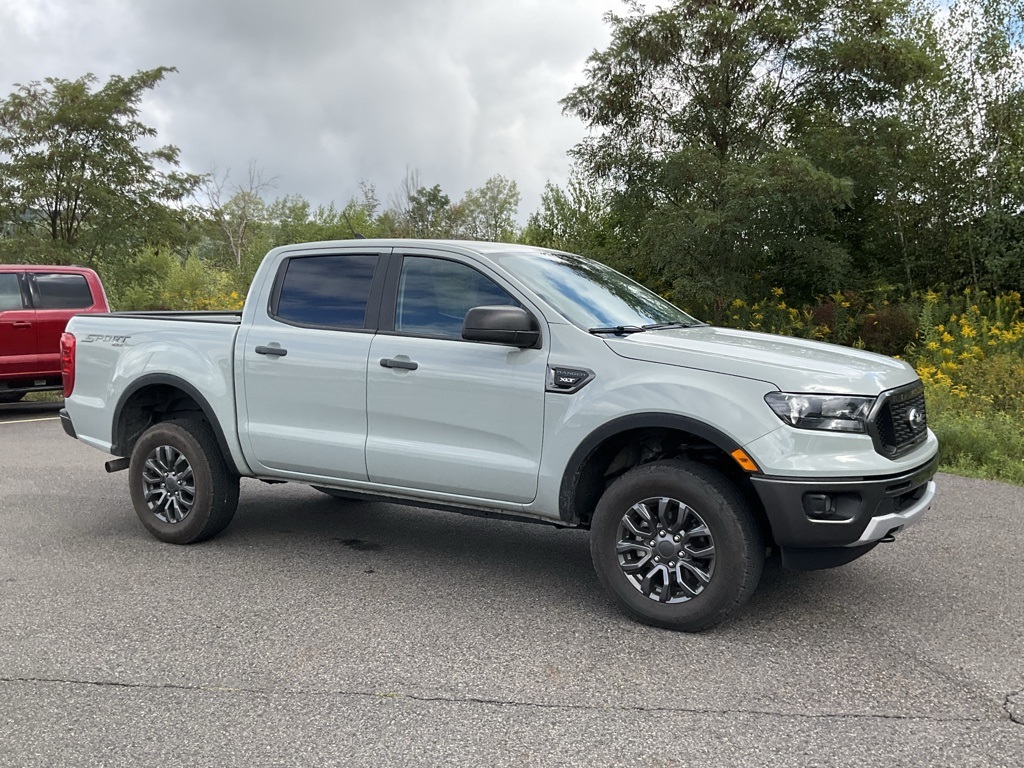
(511, 382)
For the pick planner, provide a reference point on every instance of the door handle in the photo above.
(21, 324)
(271, 351)
(405, 365)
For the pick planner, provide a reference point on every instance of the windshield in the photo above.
(589, 294)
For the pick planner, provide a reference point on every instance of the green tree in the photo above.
(980, 131)
(699, 111)
(489, 213)
(419, 211)
(361, 212)
(237, 207)
(574, 218)
(75, 181)
(431, 213)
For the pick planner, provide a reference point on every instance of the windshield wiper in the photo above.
(619, 330)
(663, 326)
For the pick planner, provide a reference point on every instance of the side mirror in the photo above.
(513, 326)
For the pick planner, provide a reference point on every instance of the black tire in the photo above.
(680, 591)
(10, 397)
(188, 448)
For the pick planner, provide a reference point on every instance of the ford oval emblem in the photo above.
(916, 418)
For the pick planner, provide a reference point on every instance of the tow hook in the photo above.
(116, 465)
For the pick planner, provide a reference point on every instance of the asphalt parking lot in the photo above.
(319, 632)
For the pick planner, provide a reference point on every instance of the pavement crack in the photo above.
(496, 702)
(1011, 705)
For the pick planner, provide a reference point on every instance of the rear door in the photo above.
(57, 297)
(303, 366)
(17, 328)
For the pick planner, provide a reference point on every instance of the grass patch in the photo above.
(977, 441)
(53, 396)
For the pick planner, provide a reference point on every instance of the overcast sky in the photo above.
(321, 94)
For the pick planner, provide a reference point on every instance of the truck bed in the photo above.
(120, 351)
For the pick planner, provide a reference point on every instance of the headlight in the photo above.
(838, 413)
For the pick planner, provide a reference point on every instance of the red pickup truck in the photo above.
(36, 303)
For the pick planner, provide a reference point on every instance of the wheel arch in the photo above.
(587, 472)
(159, 397)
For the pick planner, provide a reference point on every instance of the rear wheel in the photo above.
(675, 544)
(10, 397)
(181, 487)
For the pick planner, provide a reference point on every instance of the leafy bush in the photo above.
(158, 280)
(889, 329)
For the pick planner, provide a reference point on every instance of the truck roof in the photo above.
(63, 269)
(476, 246)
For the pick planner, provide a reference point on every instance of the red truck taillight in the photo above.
(67, 362)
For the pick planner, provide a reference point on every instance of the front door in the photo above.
(444, 414)
(17, 329)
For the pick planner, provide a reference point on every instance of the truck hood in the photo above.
(792, 365)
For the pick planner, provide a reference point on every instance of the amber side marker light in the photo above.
(744, 461)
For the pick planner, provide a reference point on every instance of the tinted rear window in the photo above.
(10, 292)
(326, 291)
(62, 291)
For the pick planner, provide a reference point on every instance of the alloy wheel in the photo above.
(665, 550)
(169, 484)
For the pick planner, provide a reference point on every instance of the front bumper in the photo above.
(861, 512)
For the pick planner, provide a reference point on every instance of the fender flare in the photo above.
(567, 490)
(167, 379)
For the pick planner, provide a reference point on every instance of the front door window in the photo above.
(434, 296)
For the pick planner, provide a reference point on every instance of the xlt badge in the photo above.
(566, 380)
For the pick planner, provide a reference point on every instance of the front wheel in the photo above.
(181, 487)
(675, 544)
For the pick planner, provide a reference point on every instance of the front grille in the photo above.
(900, 421)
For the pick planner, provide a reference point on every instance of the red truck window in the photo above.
(10, 292)
(57, 291)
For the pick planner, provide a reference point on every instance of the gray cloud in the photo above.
(323, 94)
